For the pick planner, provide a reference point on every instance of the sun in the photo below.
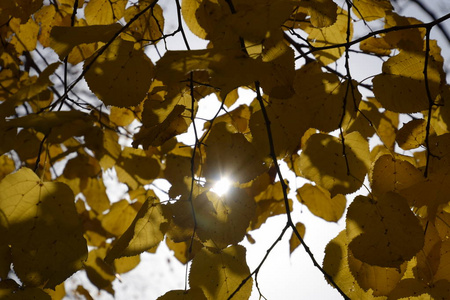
(222, 186)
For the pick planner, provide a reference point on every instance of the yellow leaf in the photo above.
(202, 17)
(104, 12)
(385, 232)
(43, 229)
(294, 242)
(126, 264)
(26, 35)
(48, 17)
(119, 217)
(401, 87)
(412, 134)
(121, 76)
(322, 95)
(191, 294)
(219, 274)
(95, 193)
(148, 27)
(376, 46)
(329, 36)
(379, 279)
(370, 10)
(98, 272)
(224, 220)
(336, 264)
(415, 289)
(105, 145)
(47, 121)
(146, 231)
(231, 155)
(28, 90)
(122, 116)
(288, 121)
(323, 12)
(6, 166)
(134, 167)
(389, 174)
(174, 124)
(64, 39)
(323, 162)
(183, 250)
(320, 203)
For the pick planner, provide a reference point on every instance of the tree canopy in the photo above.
(93, 86)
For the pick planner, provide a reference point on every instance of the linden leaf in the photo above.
(146, 231)
(7, 166)
(294, 242)
(323, 162)
(95, 193)
(379, 279)
(26, 35)
(392, 175)
(329, 36)
(174, 124)
(288, 121)
(191, 294)
(376, 46)
(149, 26)
(320, 203)
(370, 10)
(134, 167)
(230, 154)
(336, 264)
(121, 75)
(383, 233)
(227, 219)
(323, 12)
(412, 288)
(412, 134)
(218, 274)
(64, 39)
(42, 227)
(98, 272)
(401, 87)
(47, 121)
(322, 95)
(119, 217)
(104, 12)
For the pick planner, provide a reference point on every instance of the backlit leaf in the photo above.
(294, 242)
(104, 12)
(146, 231)
(392, 175)
(121, 76)
(43, 228)
(320, 203)
(412, 134)
(191, 294)
(219, 274)
(336, 264)
(227, 219)
(323, 162)
(385, 232)
(329, 36)
(401, 87)
(134, 167)
(64, 39)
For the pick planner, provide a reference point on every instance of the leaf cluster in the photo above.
(59, 137)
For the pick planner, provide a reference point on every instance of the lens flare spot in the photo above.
(221, 187)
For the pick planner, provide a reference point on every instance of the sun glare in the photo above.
(222, 186)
